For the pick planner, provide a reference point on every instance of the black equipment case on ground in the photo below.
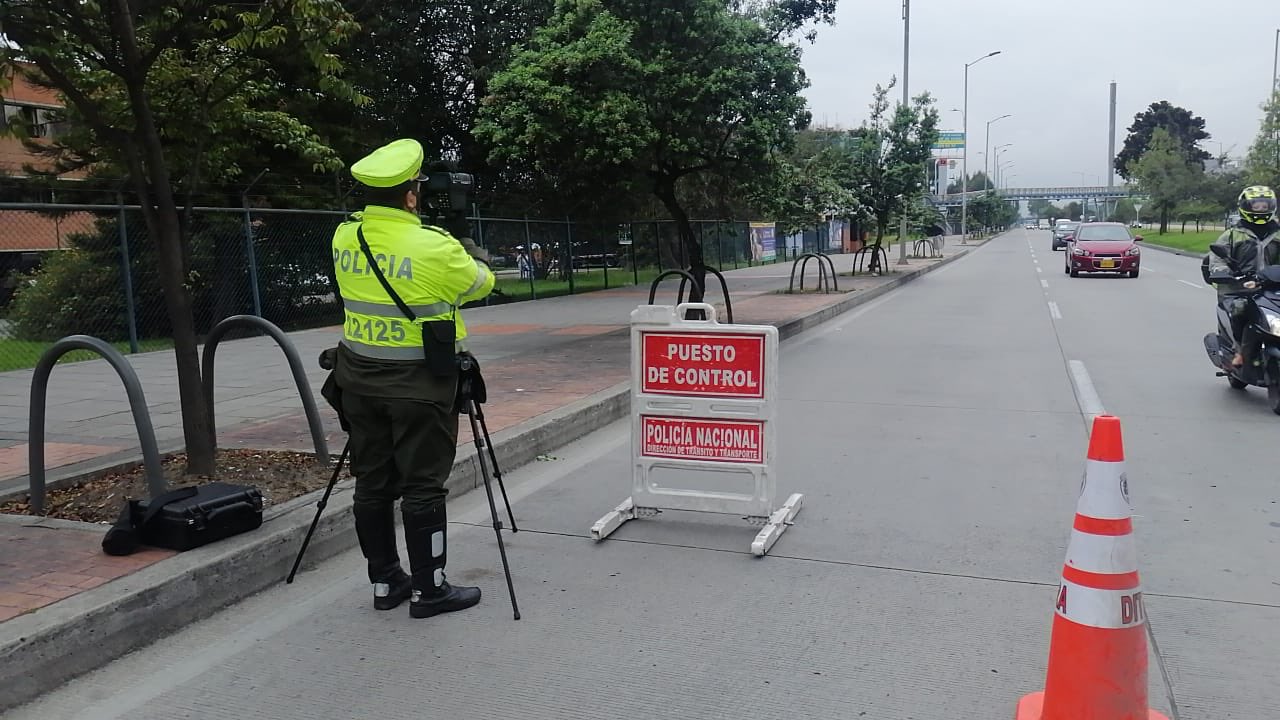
(200, 515)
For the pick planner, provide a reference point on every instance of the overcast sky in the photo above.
(1056, 62)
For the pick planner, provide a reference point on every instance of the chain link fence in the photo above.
(91, 269)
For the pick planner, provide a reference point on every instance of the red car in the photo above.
(1103, 247)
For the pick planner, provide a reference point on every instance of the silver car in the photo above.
(1063, 232)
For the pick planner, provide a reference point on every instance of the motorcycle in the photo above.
(1263, 314)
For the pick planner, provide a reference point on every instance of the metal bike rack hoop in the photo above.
(137, 403)
(295, 365)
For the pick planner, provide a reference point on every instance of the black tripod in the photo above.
(471, 395)
(324, 500)
(469, 379)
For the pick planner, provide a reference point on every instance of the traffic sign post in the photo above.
(703, 398)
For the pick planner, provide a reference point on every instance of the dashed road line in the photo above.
(1044, 284)
(1054, 311)
(1191, 284)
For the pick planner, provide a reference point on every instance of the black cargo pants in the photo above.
(400, 449)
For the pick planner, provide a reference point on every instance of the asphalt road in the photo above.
(939, 436)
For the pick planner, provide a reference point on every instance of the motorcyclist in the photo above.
(1245, 248)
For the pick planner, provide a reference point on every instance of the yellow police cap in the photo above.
(390, 165)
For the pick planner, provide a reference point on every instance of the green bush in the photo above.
(80, 290)
(71, 294)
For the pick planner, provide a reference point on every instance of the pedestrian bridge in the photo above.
(1042, 193)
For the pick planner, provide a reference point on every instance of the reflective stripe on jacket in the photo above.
(430, 270)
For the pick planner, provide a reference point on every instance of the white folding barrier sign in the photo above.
(703, 397)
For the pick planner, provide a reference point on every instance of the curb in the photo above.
(45, 648)
(1171, 251)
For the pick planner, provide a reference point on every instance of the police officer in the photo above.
(402, 283)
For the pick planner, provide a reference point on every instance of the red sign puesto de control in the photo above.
(702, 364)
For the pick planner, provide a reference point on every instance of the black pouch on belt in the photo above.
(438, 340)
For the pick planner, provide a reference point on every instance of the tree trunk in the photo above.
(161, 215)
(665, 190)
(1164, 220)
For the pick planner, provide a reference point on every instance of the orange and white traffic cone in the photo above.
(1098, 651)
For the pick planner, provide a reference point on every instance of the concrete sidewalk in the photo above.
(556, 370)
(536, 356)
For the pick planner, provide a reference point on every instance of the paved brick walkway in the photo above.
(537, 357)
(44, 561)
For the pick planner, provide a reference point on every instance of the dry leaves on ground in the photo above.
(279, 476)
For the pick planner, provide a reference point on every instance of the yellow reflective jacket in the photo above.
(429, 269)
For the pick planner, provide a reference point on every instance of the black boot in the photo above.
(376, 529)
(425, 534)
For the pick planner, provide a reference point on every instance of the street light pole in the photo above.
(1275, 64)
(997, 150)
(986, 150)
(964, 172)
(1000, 173)
(906, 65)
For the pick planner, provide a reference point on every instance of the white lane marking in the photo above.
(1039, 269)
(1044, 284)
(1054, 311)
(1086, 394)
(1091, 407)
(1191, 284)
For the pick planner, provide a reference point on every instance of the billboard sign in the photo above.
(949, 141)
(764, 242)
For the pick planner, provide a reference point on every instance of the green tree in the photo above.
(1262, 164)
(1198, 211)
(1073, 210)
(990, 211)
(921, 214)
(810, 185)
(977, 183)
(429, 82)
(1186, 129)
(1165, 175)
(174, 92)
(889, 153)
(1122, 211)
(613, 93)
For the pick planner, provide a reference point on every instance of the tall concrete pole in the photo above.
(1111, 151)
(964, 175)
(906, 66)
(964, 164)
